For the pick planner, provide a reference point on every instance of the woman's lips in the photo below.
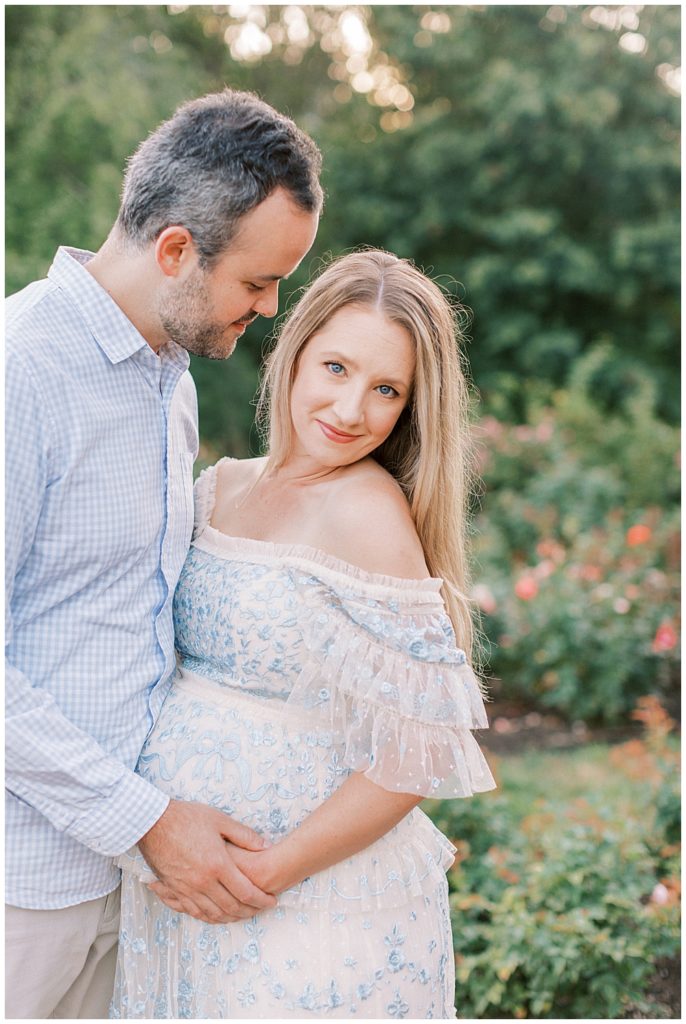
(335, 435)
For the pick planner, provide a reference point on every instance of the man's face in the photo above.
(206, 311)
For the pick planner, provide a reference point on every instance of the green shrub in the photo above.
(577, 553)
(562, 908)
(569, 935)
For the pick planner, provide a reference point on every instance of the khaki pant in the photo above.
(60, 963)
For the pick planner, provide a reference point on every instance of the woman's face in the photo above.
(353, 380)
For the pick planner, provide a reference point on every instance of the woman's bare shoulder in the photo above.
(233, 476)
(372, 525)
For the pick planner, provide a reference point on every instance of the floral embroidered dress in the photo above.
(296, 669)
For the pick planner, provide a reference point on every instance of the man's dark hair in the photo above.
(216, 159)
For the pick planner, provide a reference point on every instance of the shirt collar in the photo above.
(111, 328)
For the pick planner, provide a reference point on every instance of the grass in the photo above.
(555, 779)
(560, 777)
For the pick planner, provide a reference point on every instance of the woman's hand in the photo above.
(262, 867)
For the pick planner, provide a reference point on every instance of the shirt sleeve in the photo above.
(51, 764)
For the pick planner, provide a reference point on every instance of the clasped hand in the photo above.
(191, 850)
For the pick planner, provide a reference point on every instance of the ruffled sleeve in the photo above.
(204, 496)
(203, 499)
(382, 671)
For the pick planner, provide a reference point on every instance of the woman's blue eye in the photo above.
(336, 368)
(386, 390)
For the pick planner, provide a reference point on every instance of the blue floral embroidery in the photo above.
(247, 996)
(242, 628)
(396, 961)
(232, 962)
(398, 1008)
(308, 999)
(335, 999)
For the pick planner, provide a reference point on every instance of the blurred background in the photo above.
(527, 157)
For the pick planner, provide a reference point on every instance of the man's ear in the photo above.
(174, 250)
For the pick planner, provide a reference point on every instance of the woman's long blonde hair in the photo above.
(429, 450)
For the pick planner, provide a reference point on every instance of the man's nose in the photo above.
(268, 302)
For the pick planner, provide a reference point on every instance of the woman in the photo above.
(321, 693)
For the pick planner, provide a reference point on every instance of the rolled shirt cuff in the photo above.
(129, 811)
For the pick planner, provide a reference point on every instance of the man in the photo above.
(219, 204)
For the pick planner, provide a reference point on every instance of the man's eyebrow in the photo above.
(270, 277)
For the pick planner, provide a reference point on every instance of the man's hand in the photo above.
(188, 850)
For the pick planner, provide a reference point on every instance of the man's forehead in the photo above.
(271, 239)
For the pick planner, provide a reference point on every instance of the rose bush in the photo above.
(562, 906)
(577, 550)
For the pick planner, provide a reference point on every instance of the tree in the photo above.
(541, 170)
(527, 156)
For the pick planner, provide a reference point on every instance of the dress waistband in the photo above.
(193, 685)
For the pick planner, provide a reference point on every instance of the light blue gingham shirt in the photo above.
(101, 435)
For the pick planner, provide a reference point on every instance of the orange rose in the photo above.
(639, 534)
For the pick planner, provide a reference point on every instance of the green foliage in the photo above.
(535, 171)
(84, 86)
(563, 912)
(568, 935)
(578, 552)
(567, 635)
(532, 159)
(220, 413)
(541, 171)
(656, 765)
(531, 164)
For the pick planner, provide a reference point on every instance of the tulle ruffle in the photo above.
(389, 873)
(135, 864)
(405, 723)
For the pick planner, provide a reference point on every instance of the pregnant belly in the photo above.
(267, 766)
(257, 760)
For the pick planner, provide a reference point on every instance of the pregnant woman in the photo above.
(324, 685)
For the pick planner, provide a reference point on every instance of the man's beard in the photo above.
(183, 317)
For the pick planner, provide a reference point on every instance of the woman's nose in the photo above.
(349, 406)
